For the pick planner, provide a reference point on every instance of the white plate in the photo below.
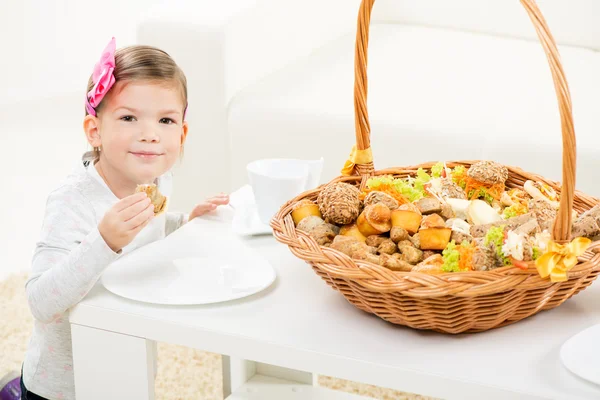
(581, 354)
(211, 273)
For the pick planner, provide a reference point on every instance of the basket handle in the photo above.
(562, 226)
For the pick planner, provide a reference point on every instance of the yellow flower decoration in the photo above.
(559, 259)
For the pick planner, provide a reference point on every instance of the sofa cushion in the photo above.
(573, 23)
(434, 94)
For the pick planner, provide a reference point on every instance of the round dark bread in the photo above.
(488, 172)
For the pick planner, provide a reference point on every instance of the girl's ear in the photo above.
(90, 127)
(184, 132)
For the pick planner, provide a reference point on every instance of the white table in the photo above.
(300, 327)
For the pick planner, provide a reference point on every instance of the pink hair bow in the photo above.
(102, 77)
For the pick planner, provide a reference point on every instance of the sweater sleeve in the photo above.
(174, 221)
(69, 257)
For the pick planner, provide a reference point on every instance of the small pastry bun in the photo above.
(532, 188)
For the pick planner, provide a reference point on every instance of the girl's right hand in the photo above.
(124, 220)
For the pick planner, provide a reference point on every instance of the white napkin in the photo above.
(241, 197)
(246, 221)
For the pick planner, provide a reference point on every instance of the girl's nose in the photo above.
(151, 138)
(148, 134)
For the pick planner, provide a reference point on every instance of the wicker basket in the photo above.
(450, 302)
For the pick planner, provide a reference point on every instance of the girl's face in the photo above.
(140, 129)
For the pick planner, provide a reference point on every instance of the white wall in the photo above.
(50, 46)
(40, 146)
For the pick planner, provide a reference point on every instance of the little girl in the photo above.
(135, 122)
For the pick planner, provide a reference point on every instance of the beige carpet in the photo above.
(183, 373)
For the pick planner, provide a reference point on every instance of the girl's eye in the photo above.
(128, 118)
(167, 121)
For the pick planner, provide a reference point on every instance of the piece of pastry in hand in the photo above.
(159, 201)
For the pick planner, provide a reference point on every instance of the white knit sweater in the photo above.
(68, 260)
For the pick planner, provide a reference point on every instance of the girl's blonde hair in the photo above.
(145, 63)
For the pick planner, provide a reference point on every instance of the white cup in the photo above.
(276, 181)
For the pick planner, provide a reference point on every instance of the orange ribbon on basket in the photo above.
(559, 259)
(357, 157)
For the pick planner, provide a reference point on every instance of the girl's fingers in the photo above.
(204, 207)
(220, 200)
(128, 201)
(140, 227)
(140, 218)
(134, 210)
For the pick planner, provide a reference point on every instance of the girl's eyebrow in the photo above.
(170, 111)
(133, 110)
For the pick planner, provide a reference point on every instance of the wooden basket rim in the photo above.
(419, 284)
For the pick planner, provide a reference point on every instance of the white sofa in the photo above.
(447, 80)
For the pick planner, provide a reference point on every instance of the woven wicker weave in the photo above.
(451, 302)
